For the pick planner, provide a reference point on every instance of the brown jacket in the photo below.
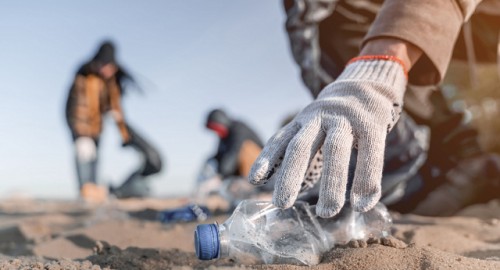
(89, 99)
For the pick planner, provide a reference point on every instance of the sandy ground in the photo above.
(48, 234)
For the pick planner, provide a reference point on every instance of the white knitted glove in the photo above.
(357, 110)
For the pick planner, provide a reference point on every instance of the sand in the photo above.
(50, 234)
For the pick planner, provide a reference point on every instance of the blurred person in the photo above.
(97, 90)
(362, 60)
(238, 147)
(226, 172)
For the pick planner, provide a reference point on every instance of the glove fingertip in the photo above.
(327, 211)
(283, 202)
(364, 203)
(258, 172)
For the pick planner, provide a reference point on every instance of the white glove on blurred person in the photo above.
(86, 149)
(357, 110)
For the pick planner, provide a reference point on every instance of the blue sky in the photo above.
(190, 56)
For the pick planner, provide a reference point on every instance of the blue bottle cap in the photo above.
(206, 241)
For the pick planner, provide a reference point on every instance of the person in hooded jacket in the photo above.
(238, 147)
(97, 89)
(225, 173)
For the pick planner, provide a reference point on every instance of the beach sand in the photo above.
(122, 234)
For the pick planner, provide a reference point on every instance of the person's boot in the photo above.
(93, 193)
(134, 187)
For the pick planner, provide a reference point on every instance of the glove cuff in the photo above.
(380, 57)
(384, 71)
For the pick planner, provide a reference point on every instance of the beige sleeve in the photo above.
(468, 7)
(431, 25)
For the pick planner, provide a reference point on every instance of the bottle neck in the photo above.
(223, 241)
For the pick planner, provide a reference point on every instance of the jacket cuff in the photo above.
(431, 25)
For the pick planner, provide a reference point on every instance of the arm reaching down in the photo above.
(357, 110)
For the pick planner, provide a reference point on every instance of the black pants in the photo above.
(135, 184)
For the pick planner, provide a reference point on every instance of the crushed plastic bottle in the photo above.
(260, 233)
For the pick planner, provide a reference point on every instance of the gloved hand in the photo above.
(86, 149)
(357, 110)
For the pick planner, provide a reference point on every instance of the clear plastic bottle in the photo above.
(258, 232)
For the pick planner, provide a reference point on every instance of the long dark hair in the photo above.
(105, 55)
